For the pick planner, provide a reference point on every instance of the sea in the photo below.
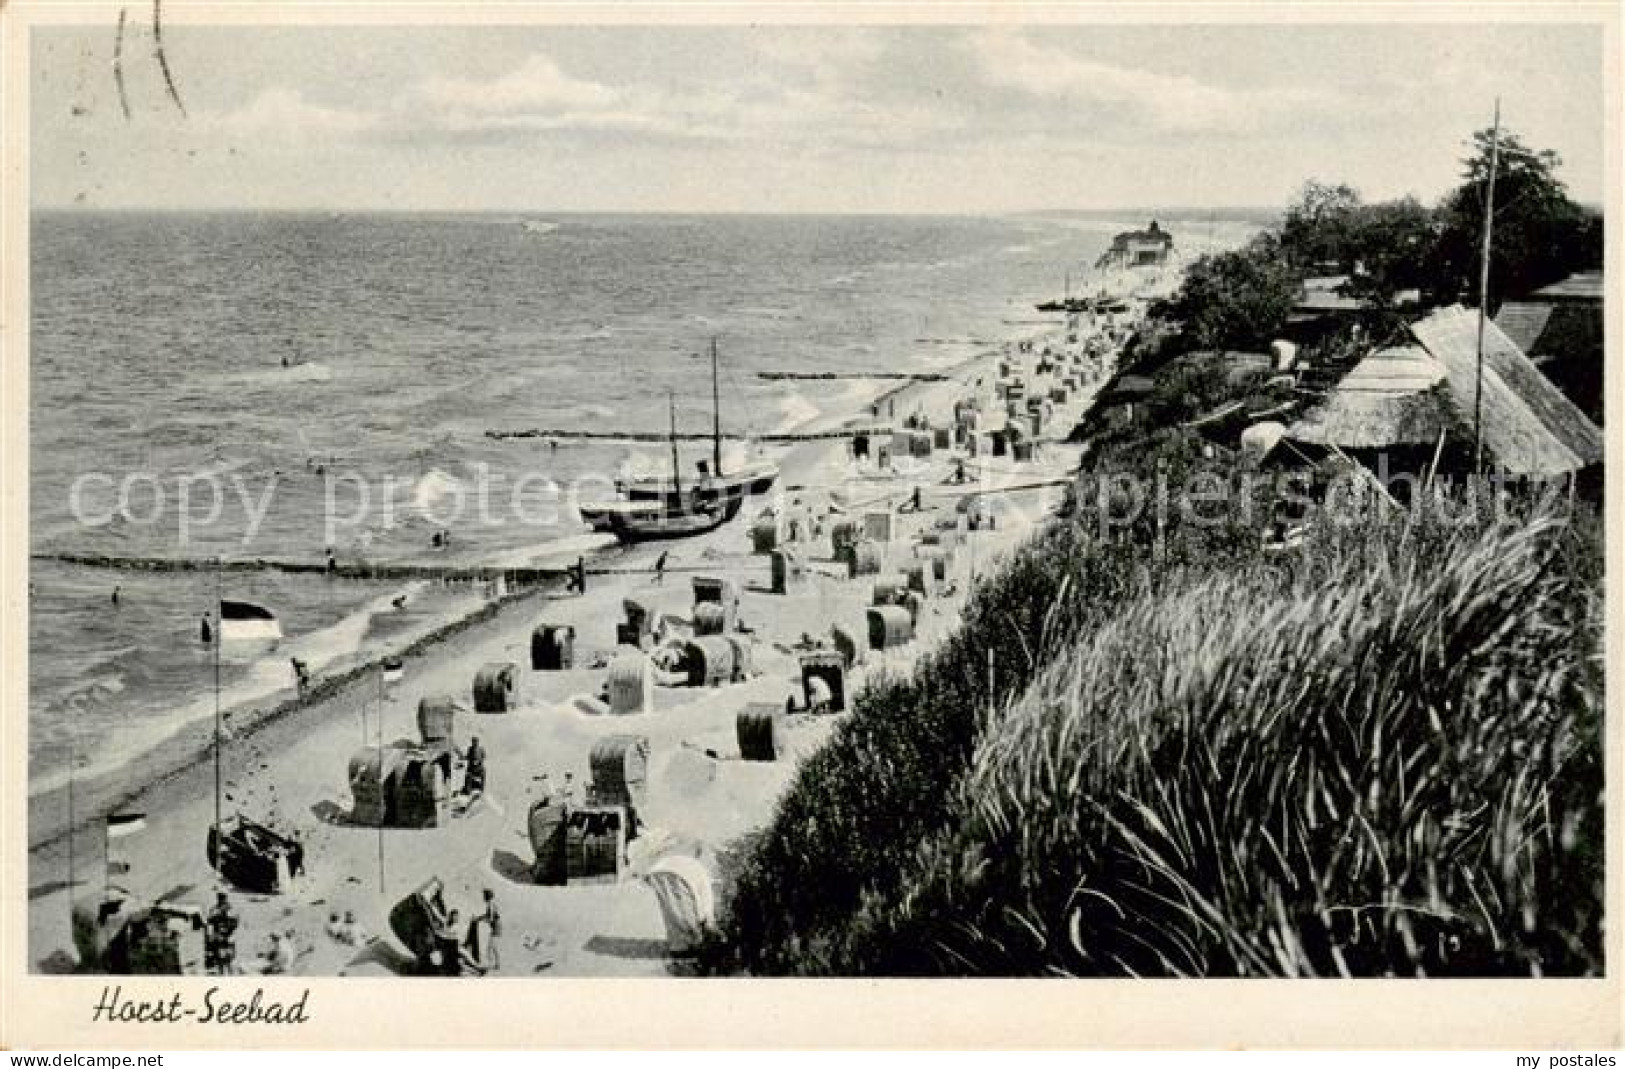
(280, 385)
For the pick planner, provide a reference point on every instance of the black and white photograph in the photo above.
(863, 498)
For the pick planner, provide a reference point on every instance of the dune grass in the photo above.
(1378, 756)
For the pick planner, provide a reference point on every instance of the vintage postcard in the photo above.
(1066, 525)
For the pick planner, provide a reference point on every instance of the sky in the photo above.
(935, 119)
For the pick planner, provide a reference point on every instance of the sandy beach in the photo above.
(290, 771)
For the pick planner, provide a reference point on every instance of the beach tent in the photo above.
(552, 648)
(828, 668)
(710, 618)
(890, 626)
(685, 890)
(619, 767)
(846, 643)
(866, 558)
(759, 727)
(595, 843)
(437, 720)
(710, 661)
(889, 589)
(546, 825)
(788, 572)
(631, 684)
(495, 687)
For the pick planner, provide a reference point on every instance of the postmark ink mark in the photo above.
(158, 53)
(118, 64)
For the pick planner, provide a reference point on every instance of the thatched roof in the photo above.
(1580, 286)
(1391, 398)
(1523, 322)
(1529, 427)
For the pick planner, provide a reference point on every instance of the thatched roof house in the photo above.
(1529, 427)
(1560, 327)
(1394, 397)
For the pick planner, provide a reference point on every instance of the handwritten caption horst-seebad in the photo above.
(213, 1008)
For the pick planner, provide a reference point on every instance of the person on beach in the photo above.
(206, 631)
(474, 774)
(493, 919)
(220, 942)
(660, 568)
(449, 945)
(115, 593)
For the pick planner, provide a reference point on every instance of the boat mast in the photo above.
(676, 472)
(716, 416)
(1484, 289)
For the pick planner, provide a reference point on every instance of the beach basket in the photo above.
(710, 661)
(595, 841)
(552, 648)
(878, 525)
(890, 626)
(437, 719)
(371, 775)
(788, 572)
(828, 669)
(866, 558)
(847, 644)
(764, 536)
(743, 661)
(759, 728)
(710, 618)
(724, 592)
(1023, 452)
(842, 537)
(941, 437)
(619, 765)
(922, 579)
(687, 896)
(546, 825)
(495, 688)
(889, 589)
(631, 684)
(421, 789)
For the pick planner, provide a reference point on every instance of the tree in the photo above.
(1317, 231)
(1236, 300)
(1540, 235)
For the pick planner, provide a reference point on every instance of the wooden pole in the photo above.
(384, 808)
(1484, 289)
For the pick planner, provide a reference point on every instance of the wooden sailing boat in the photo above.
(656, 507)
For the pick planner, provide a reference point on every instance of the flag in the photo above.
(245, 621)
(122, 824)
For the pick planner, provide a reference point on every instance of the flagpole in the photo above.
(73, 773)
(1484, 289)
(219, 630)
(107, 860)
(382, 809)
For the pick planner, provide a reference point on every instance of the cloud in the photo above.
(537, 86)
(280, 112)
(1152, 101)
